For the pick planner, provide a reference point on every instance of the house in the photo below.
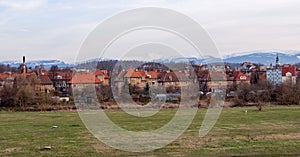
(248, 66)
(102, 75)
(217, 80)
(240, 77)
(3, 77)
(84, 80)
(289, 73)
(82, 84)
(168, 79)
(119, 82)
(274, 76)
(61, 82)
(174, 79)
(152, 77)
(298, 74)
(45, 85)
(135, 77)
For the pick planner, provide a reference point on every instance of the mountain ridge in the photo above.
(259, 57)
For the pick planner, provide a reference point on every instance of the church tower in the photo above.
(277, 62)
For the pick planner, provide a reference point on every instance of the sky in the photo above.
(55, 29)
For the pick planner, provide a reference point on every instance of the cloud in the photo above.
(22, 5)
(59, 27)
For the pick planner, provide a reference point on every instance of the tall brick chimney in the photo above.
(24, 66)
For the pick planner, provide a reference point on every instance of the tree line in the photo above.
(264, 92)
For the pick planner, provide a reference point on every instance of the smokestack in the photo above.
(24, 66)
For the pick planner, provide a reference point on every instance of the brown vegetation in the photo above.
(263, 92)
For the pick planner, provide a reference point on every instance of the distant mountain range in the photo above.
(265, 57)
(47, 63)
(262, 57)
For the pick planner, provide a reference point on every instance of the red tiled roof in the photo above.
(134, 73)
(153, 75)
(84, 78)
(3, 76)
(100, 72)
(138, 73)
(239, 76)
(65, 75)
(288, 68)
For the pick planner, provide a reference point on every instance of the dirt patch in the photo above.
(291, 136)
(10, 150)
(101, 148)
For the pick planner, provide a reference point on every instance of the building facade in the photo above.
(274, 76)
(289, 74)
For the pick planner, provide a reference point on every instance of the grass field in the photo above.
(274, 131)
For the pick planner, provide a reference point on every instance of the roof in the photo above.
(138, 74)
(217, 76)
(134, 73)
(168, 77)
(239, 76)
(84, 78)
(101, 72)
(3, 76)
(129, 72)
(286, 68)
(45, 80)
(65, 75)
(172, 77)
(120, 76)
(60, 75)
(153, 75)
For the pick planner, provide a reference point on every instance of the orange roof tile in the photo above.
(100, 72)
(239, 76)
(153, 75)
(3, 76)
(84, 78)
(134, 73)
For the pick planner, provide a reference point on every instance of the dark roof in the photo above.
(45, 80)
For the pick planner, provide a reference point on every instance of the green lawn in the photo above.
(273, 131)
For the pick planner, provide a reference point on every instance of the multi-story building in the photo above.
(274, 74)
(135, 77)
(289, 73)
(83, 80)
(102, 75)
(45, 85)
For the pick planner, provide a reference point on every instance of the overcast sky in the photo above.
(42, 29)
